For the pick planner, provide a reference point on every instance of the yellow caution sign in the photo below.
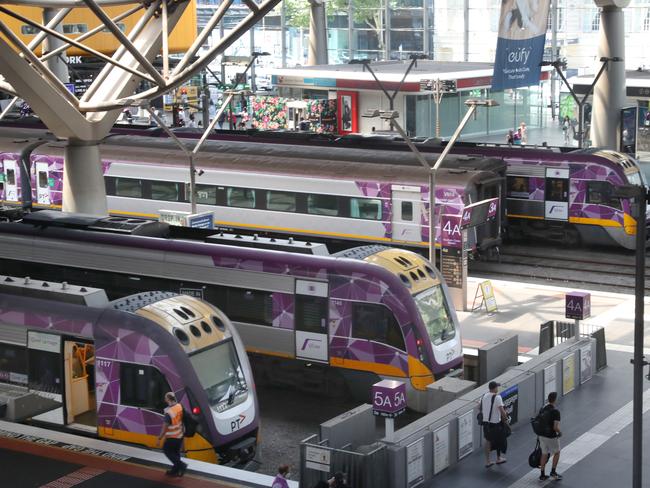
(485, 292)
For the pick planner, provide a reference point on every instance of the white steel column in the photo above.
(83, 182)
(55, 64)
(609, 92)
(317, 33)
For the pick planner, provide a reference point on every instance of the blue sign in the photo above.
(520, 47)
(201, 221)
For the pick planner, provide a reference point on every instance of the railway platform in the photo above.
(32, 457)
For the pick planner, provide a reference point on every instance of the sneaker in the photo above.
(543, 477)
(170, 472)
(556, 476)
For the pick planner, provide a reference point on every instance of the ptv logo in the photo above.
(237, 423)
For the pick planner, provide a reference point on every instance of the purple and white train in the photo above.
(103, 368)
(367, 314)
(273, 189)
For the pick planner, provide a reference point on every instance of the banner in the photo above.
(520, 46)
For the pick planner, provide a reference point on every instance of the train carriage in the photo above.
(87, 365)
(375, 313)
(281, 190)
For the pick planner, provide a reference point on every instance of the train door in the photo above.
(42, 184)
(45, 375)
(407, 208)
(79, 377)
(311, 319)
(556, 206)
(11, 185)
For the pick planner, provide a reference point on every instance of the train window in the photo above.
(42, 179)
(240, 197)
(11, 177)
(407, 211)
(323, 205)
(557, 189)
(75, 28)
(13, 364)
(165, 190)
(376, 323)
(251, 306)
(311, 314)
(142, 386)
(365, 208)
(598, 192)
(128, 187)
(205, 194)
(518, 187)
(281, 200)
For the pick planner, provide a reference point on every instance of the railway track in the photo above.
(601, 269)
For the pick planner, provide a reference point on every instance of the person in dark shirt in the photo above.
(550, 443)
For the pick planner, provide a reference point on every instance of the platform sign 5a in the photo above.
(578, 305)
(388, 398)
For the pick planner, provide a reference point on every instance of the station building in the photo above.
(355, 86)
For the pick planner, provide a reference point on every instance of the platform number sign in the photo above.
(388, 398)
(578, 305)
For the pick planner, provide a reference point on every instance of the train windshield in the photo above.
(220, 374)
(435, 313)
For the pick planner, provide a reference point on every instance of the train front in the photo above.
(219, 384)
(434, 348)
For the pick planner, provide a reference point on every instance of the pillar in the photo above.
(609, 92)
(317, 33)
(55, 64)
(83, 182)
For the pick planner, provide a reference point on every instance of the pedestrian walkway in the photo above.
(597, 439)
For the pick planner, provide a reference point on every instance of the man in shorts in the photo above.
(550, 442)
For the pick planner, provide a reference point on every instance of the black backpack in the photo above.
(190, 424)
(541, 424)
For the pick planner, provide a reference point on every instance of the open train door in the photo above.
(311, 320)
(407, 208)
(556, 205)
(45, 374)
(11, 187)
(42, 184)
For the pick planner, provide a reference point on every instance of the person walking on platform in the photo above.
(550, 443)
(280, 480)
(494, 416)
(567, 129)
(172, 431)
(523, 133)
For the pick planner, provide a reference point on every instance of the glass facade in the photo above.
(445, 30)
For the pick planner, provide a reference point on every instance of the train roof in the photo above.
(280, 159)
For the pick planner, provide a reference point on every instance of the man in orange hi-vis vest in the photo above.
(172, 431)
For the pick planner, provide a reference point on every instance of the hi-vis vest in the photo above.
(175, 429)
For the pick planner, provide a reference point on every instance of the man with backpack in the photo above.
(549, 437)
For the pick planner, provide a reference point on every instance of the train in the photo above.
(79, 362)
(381, 194)
(273, 189)
(350, 319)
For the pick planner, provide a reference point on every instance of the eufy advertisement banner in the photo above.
(520, 47)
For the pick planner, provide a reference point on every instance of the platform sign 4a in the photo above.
(578, 305)
(388, 398)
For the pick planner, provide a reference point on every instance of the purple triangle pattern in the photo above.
(283, 310)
